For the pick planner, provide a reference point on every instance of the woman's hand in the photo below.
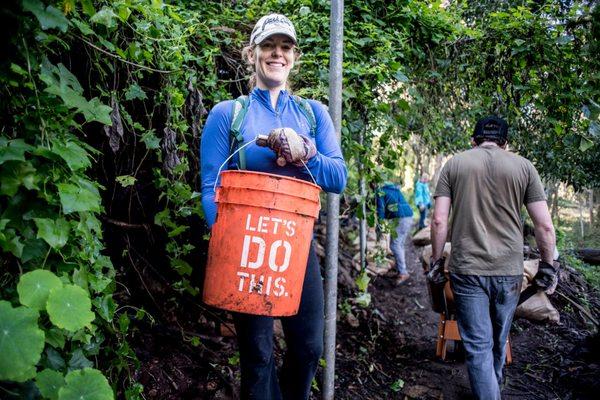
(290, 147)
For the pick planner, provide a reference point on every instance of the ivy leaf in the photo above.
(585, 144)
(83, 27)
(88, 7)
(151, 141)
(126, 180)
(75, 156)
(33, 249)
(49, 382)
(61, 82)
(182, 267)
(105, 17)
(70, 308)
(53, 359)
(75, 198)
(397, 385)
(13, 150)
(15, 174)
(96, 111)
(49, 18)
(135, 92)
(21, 342)
(79, 361)
(362, 281)
(106, 307)
(54, 232)
(9, 241)
(363, 299)
(35, 286)
(55, 338)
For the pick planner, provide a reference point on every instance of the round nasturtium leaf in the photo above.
(21, 342)
(49, 382)
(70, 308)
(86, 384)
(35, 286)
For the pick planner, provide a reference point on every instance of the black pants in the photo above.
(304, 339)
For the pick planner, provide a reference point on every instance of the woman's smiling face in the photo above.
(273, 60)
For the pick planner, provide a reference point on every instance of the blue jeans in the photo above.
(304, 340)
(397, 243)
(485, 306)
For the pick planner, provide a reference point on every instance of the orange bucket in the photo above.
(259, 243)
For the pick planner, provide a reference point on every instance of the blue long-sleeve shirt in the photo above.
(327, 167)
(391, 203)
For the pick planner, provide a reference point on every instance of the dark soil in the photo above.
(390, 354)
(395, 343)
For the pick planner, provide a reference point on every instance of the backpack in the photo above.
(239, 111)
(390, 203)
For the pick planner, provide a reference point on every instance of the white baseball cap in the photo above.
(270, 25)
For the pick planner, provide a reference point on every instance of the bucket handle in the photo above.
(247, 144)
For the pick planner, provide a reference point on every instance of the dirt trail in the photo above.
(396, 340)
(389, 355)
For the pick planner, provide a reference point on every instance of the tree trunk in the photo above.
(591, 205)
(581, 225)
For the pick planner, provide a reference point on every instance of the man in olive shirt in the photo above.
(486, 187)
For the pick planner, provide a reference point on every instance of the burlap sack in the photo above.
(538, 306)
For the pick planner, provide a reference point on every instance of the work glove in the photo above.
(546, 278)
(290, 147)
(436, 274)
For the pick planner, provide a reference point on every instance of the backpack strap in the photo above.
(238, 113)
(308, 113)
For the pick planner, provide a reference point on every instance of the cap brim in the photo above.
(261, 38)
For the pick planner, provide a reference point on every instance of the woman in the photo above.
(296, 144)
(422, 199)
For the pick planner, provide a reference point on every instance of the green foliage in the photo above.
(87, 383)
(126, 84)
(49, 382)
(69, 307)
(21, 344)
(397, 385)
(35, 286)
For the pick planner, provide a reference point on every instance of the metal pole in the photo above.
(333, 200)
(363, 220)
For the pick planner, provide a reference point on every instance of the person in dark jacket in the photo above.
(391, 204)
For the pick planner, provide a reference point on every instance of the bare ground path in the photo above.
(386, 351)
(391, 354)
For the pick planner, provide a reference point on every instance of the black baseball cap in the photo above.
(491, 127)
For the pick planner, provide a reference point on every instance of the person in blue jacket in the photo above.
(422, 199)
(296, 149)
(391, 204)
